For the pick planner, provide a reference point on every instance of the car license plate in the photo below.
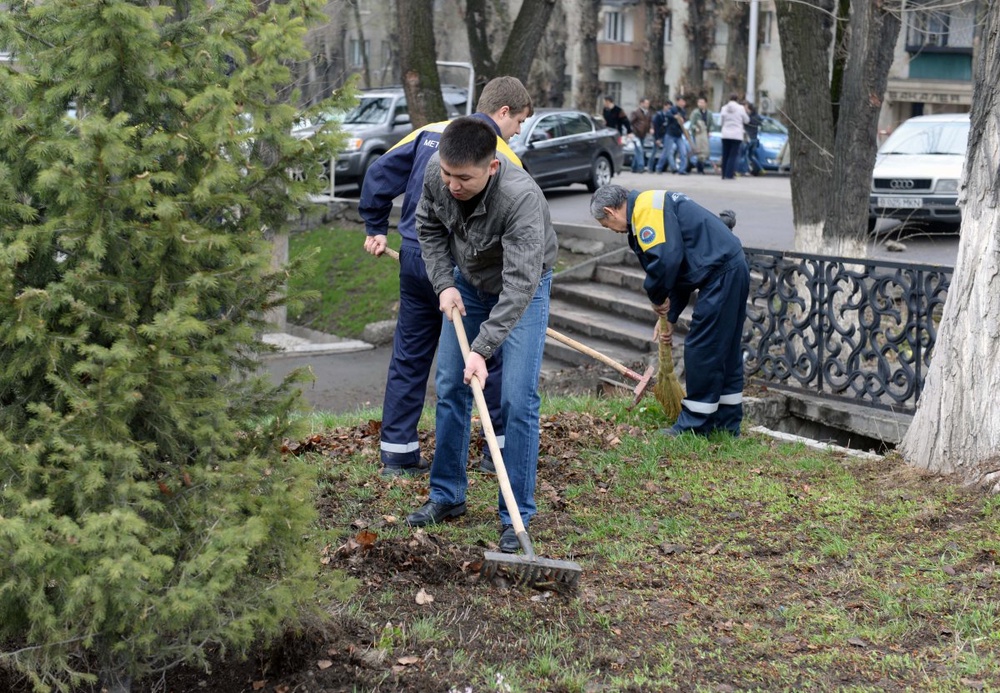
(900, 202)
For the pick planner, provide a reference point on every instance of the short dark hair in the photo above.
(468, 141)
(609, 97)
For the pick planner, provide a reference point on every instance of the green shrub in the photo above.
(145, 513)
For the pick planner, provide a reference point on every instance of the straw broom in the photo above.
(668, 389)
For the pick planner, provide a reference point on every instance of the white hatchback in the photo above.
(918, 170)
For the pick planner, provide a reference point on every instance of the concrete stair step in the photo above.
(625, 276)
(615, 299)
(591, 322)
(563, 353)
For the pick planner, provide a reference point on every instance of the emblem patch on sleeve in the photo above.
(647, 234)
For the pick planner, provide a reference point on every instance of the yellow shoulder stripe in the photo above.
(647, 219)
(504, 148)
(432, 127)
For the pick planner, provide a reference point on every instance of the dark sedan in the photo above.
(562, 147)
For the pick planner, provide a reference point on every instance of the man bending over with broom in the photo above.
(489, 247)
(683, 247)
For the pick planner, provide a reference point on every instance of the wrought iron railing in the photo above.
(861, 329)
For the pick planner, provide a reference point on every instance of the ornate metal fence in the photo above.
(842, 327)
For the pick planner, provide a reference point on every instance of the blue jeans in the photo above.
(673, 146)
(519, 400)
(638, 156)
(418, 330)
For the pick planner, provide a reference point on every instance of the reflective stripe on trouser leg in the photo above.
(418, 328)
(712, 357)
(730, 414)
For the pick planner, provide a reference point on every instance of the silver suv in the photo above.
(918, 170)
(376, 124)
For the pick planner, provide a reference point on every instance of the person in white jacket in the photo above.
(733, 117)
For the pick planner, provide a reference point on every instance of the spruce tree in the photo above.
(146, 514)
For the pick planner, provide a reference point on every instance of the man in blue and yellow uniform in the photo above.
(683, 247)
(504, 105)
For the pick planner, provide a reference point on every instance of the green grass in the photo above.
(352, 288)
(747, 562)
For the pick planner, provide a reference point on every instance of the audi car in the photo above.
(918, 170)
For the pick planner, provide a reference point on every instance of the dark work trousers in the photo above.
(730, 157)
(713, 358)
(418, 329)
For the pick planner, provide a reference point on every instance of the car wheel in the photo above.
(600, 173)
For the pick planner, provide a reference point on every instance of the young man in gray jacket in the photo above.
(489, 248)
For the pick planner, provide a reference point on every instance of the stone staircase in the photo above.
(600, 303)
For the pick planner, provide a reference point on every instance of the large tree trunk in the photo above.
(418, 57)
(806, 32)
(365, 58)
(529, 28)
(956, 428)
(653, 64)
(547, 80)
(588, 85)
(734, 77)
(874, 28)
(700, 33)
(477, 23)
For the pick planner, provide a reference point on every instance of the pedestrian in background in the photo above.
(503, 105)
(733, 117)
(701, 122)
(751, 131)
(489, 246)
(641, 120)
(684, 248)
(675, 147)
(659, 125)
(614, 116)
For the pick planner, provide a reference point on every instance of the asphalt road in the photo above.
(347, 382)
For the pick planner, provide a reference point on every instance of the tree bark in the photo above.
(418, 58)
(874, 28)
(547, 79)
(700, 33)
(477, 22)
(734, 78)
(806, 32)
(956, 428)
(588, 86)
(366, 69)
(522, 44)
(653, 64)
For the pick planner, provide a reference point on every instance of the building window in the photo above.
(668, 29)
(612, 89)
(768, 29)
(721, 33)
(938, 26)
(614, 27)
(357, 56)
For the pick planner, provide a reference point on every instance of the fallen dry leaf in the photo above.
(366, 539)
(424, 597)
(324, 664)
(408, 660)
(258, 685)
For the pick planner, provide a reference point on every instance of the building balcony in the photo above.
(619, 54)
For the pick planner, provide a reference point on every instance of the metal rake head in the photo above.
(532, 570)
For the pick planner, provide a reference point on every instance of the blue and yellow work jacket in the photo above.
(679, 243)
(401, 170)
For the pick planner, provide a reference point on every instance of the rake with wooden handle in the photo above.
(641, 380)
(528, 568)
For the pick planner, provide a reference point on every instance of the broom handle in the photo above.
(584, 349)
(491, 439)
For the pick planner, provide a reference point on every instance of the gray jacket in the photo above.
(502, 249)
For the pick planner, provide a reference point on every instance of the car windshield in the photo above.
(772, 126)
(928, 138)
(371, 111)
